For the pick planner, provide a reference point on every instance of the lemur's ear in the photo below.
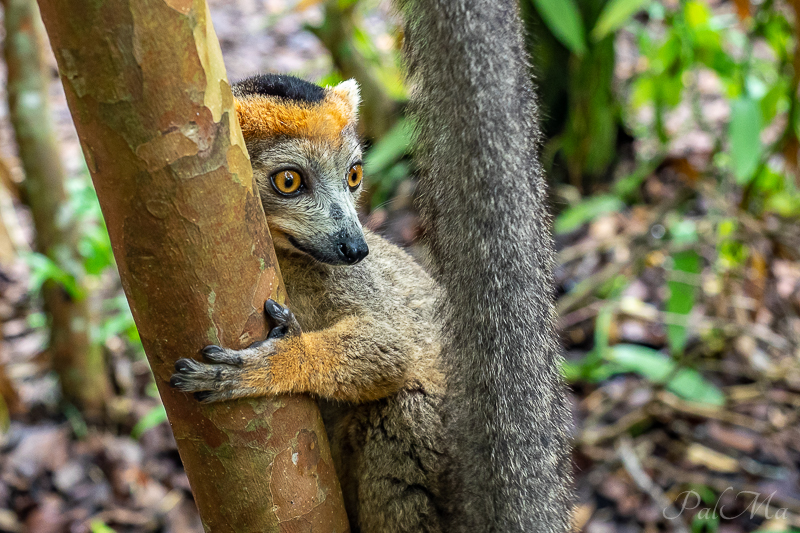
(351, 93)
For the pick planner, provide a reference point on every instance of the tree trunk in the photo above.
(78, 361)
(147, 89)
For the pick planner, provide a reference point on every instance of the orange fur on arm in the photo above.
(345, 362)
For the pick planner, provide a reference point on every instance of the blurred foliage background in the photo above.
(670, 139)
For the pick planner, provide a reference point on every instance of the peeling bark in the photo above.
(79, 361)
(147, 89)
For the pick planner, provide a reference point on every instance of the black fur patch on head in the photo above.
(279, 85)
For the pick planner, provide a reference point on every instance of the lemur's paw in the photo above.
(224, 379)
(194, 376)
(284, 320)
(211, 382)
(227, 373)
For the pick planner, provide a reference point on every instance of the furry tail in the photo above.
(482, 194)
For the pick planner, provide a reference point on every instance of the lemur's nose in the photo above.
(353, 250)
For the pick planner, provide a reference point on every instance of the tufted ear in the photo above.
(350, 92)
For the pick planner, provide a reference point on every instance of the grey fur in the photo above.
(482, 196)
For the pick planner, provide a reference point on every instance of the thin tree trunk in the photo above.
(147, 89)
(78, 361)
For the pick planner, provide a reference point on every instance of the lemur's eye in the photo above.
(287, 181)
(354, 176)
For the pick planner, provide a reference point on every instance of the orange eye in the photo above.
(287, 181)
(354, 176)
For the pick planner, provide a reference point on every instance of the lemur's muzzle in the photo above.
(353, 249)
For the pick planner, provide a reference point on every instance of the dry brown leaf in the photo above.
(711, 459)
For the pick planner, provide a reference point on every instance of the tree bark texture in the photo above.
(146, 86)
(78, 360)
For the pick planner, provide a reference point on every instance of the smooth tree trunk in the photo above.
(78, 360)
(146, 86)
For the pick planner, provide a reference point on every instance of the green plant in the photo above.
(96, 270)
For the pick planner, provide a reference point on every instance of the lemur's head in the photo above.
(306, 159)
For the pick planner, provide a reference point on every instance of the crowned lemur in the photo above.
(441, 395)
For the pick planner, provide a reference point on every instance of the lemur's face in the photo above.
(306, 158)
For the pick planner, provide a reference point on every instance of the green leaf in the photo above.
(98, 526)
(657, 367)
(392, 146)
(682, 297)
(44, 269)
(602, 329)
(573, 217)
(614, 15)
(151, 419)
(564, 21)
(626, 187)
(696, 14)
(745, 134)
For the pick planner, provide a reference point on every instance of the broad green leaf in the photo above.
(44, 269)
(392, 146)
(696, 14)
(98, 526)
(151, 419)
(586, 211)
(614, 15)
(784, 204)
(564, 20)
(602, 329)
(745, 134)
(682, 297)
(657, 367)
(683, 232)
(643, 91)
(774, 100)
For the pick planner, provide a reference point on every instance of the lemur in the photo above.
(441, 394)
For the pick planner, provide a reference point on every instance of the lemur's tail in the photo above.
(482, 194)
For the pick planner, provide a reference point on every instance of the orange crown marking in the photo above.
(268, 116)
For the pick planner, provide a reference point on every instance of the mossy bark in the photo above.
(78, 361)
(147, 89)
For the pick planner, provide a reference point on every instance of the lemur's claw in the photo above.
(278, 332)
(182, 365)
(212, 349)
(286, 323)
(273, 309)
(185, 369)
(277, 312)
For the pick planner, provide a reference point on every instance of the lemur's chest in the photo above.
(310, 294)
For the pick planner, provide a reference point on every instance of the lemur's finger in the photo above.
(216, 354)
(283, 317)
(194, 376)
(276, 311)
(277, 332)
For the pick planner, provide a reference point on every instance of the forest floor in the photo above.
(646, 458)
